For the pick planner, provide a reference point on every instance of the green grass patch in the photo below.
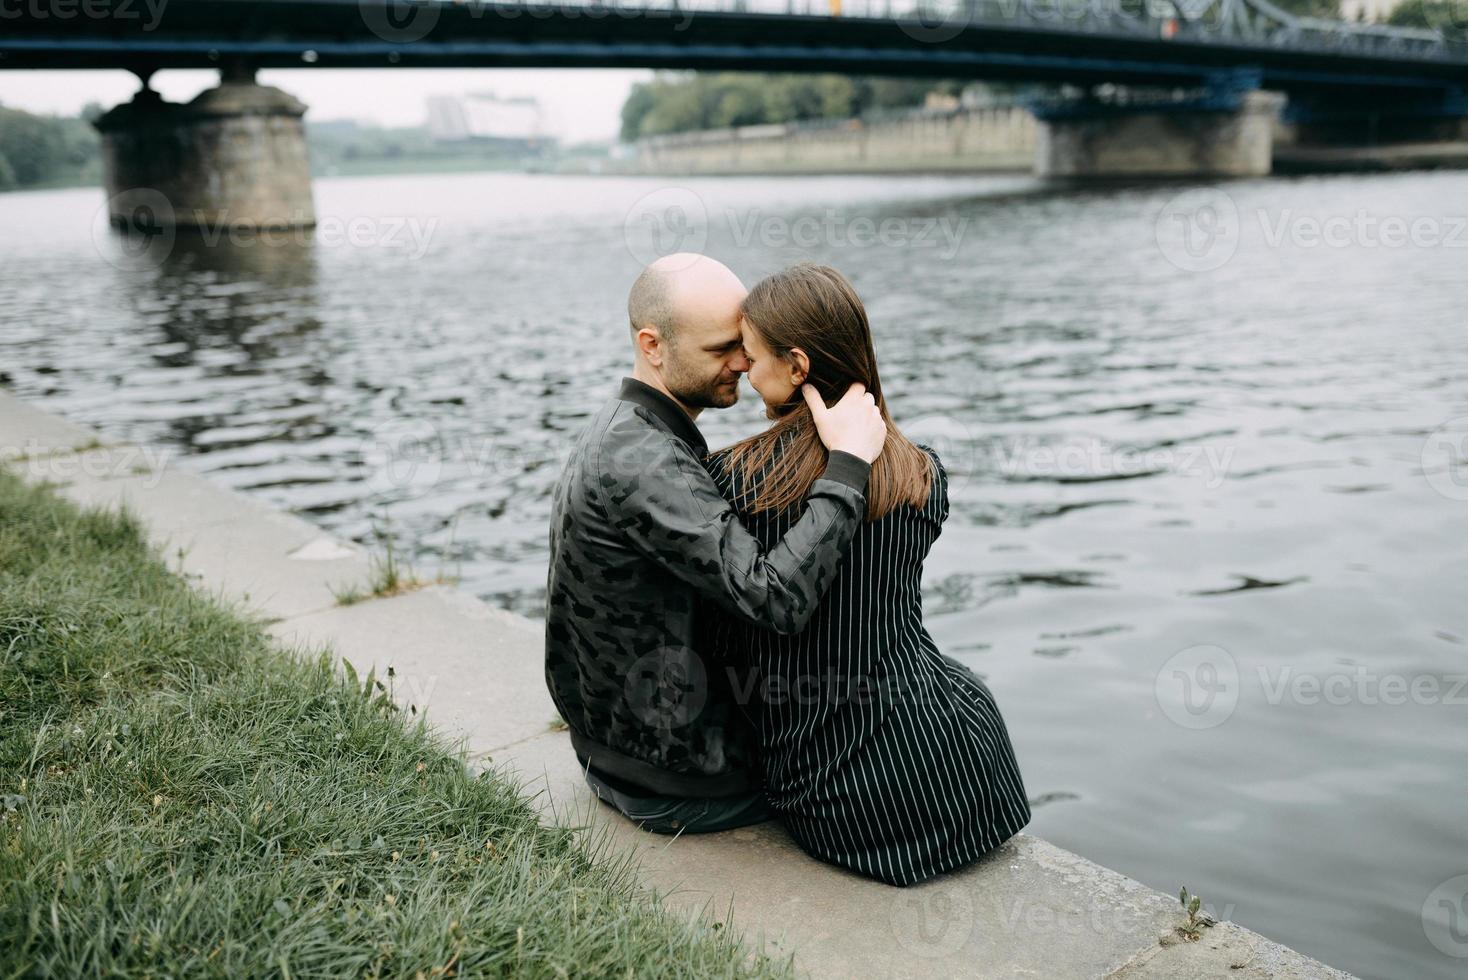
(388, 576)
(180, 798)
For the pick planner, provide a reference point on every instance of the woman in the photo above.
(881, 754)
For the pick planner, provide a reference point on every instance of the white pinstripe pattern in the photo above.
(917, 781)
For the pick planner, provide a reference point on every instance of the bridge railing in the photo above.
(1246, 22)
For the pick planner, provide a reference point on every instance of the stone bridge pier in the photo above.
(233, 158)
(1224, 131)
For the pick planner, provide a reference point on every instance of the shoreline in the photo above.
(1027, 908)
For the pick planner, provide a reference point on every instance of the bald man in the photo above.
(640, 536)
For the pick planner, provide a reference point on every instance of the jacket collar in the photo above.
(672, 414)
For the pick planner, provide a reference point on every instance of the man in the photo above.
(640, 534)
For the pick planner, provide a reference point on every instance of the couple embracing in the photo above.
(737, 636)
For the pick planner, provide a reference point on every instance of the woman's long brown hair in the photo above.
(815, 308)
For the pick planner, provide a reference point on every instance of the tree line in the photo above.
(48, 151)
(678, 102)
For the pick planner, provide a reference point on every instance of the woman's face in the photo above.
(773, 378)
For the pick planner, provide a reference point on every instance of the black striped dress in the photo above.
(881, 754)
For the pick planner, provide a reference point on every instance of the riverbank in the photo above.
(997, 139)
(184, 798)
(1029, 908)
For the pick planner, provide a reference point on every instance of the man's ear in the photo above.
(650, 345)
(799, 366)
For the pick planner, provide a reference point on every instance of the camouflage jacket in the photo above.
(639, 537)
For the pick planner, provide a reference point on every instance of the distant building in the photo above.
(516, 124)
(1369, 11)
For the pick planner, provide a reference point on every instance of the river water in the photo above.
(1205, 446)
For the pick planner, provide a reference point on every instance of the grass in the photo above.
(180, 798)
(388, 577)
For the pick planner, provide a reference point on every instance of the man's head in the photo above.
(684, 313)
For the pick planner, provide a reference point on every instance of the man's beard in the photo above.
(709, 394)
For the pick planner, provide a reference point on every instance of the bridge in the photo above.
(1135, 42)
(1204, 64)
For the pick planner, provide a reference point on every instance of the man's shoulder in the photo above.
(620, 424)
(631, 422)
(634, 453)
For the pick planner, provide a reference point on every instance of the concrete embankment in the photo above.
(1291, 159)
(1028, 909)
(1009, 139)
(994, 140)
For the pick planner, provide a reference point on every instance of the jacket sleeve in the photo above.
(668, 508)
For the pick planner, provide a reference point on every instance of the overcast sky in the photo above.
(580, 104)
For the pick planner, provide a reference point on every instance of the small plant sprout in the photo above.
(1198, 920)
(389, 577)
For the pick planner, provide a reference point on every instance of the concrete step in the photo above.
(1027, 909)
